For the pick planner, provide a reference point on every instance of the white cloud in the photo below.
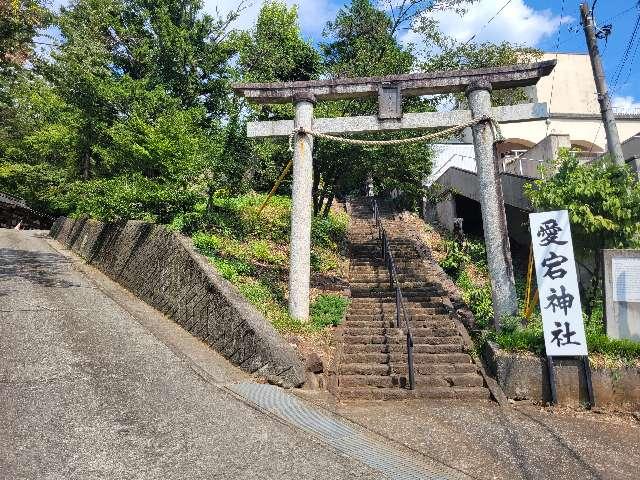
(517, 23)
(626, 104)
(313, 14)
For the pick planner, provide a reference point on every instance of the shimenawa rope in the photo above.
(402, 141)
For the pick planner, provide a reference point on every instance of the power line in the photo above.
(634, 57)
(487, 24)
(609, 19)
(634, 40)
(627, 51)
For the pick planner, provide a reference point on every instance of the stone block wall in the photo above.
(525, 377)
(11, 215)
(163, 269)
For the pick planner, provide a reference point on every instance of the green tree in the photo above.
(442, 53)
(603, 200)
(274, 49)
(362, 42)
(19, 23)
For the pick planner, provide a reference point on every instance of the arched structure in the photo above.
(513, 145)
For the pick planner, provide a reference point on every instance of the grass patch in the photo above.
(328, 310)
(252, 252)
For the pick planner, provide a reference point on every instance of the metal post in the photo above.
(410, 369)
(552, 381)
(494, 219)
(301, 211)
(608, 118)
(587, 376)
(397, 307)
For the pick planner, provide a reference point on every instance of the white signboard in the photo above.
(558, 284)
(626, 279)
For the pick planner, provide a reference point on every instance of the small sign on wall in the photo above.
(626, 279)
(622, 293)
(564, 334)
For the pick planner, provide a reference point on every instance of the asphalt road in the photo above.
(88, 390)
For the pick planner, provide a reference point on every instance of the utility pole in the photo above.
(608, 118)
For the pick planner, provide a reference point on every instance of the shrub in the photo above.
(329, 231)
(455, 260)
(478, 298)
(126, 197)
(603, 201)
(328, 310)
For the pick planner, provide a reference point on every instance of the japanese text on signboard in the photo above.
(558, 284)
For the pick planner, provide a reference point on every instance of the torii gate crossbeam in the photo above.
(477, 85)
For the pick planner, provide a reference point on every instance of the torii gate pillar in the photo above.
(503, 290)
(301, 209)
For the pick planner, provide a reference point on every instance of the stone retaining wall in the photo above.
(163, 269)
(11, 215)
(526, 378)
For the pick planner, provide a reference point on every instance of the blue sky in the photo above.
(532, 22)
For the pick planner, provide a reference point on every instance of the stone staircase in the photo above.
(372, 358)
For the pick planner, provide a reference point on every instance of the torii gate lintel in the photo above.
(476, 84)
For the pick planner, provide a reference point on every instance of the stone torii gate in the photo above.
(476, 84)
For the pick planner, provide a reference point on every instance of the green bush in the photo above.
(455, 260)
(329, 231)
(238, 217)
(38, 184)
(528, 339)
(478, 298)
(126, 197)
(477, 253)
(328, 310)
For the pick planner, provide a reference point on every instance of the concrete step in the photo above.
(381, 292)
(425, 334)
(390, 326)
(394, 381)
(374, 393)
(418, 332)
(420, 352)
(383, 276)
(368, 331)
(389, 302)
(363, 369)
(425, 347)
(391, 323)
(378, 314)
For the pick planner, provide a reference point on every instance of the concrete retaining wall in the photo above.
(526, 378)
(164, 270)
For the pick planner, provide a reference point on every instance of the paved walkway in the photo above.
(88, 392)
(488, 442)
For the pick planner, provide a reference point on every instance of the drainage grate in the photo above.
(340, 435)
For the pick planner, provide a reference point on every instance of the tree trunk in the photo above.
(327, 207)
(210, 193)
(315, 190)
(86, 166)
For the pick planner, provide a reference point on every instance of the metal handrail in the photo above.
(401, 311)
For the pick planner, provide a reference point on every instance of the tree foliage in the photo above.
(131, 115)
(274, 49)
(19, 22)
